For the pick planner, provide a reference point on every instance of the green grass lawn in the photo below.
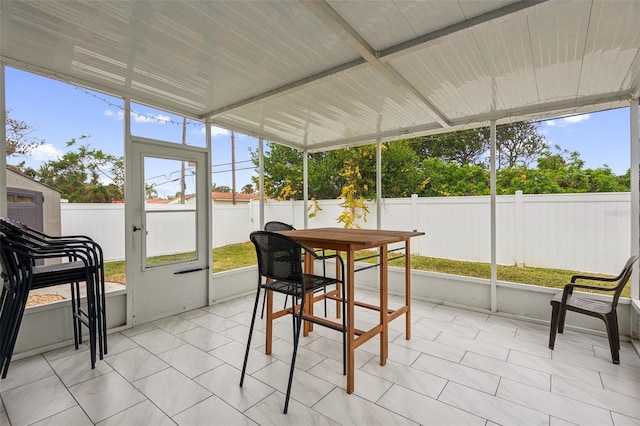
(240, 255)
(225, 258)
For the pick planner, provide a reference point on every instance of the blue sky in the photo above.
(59, 112)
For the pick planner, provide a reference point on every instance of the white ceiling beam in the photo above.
(551, 109)
(616, 99)
(371, 138)
(333, 20)
(477, 23)
(271, 137)
(352, 66)
(367, 52)
(632, 79)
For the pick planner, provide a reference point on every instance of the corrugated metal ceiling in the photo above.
(323, 74)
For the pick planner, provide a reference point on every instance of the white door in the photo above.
(168, 252)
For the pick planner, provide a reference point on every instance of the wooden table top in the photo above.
(353, 238)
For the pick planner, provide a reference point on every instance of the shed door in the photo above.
(25, 206)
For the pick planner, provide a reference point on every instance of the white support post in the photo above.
(3, 146)
(305, 187)
(128, 218)
(261, 179)
(414, 212)
(378, 184)
(209, 213)
(494, 268)
(634, 119)
(519, 239)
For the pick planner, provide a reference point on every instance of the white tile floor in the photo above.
(459, 368)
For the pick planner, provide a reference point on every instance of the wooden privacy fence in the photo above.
(585, 232)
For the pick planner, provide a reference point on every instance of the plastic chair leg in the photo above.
(614, 339)
(553, 327)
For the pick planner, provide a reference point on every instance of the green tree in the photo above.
(566, 168)
(351, 173)
(284, 175)
(221, 188)
(85, 176)
(150, 192)
(19, 138)
(348, 173)
(401, 173)
(248, 189)
(462, 147)
(624, 181)
(560, 171)
(354, 202)
(447, 179)
(519, 144)
(603, 179)
(516, 144)
(283, 172)
(325, 180)
(529, 181)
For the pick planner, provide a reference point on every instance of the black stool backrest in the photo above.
(279, 257)
(274, 225)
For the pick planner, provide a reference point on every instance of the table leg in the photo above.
(384, 304)
(308, 303)
(339, 291)
(350, 321)
(407, 288)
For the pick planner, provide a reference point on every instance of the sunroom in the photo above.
(315, 76)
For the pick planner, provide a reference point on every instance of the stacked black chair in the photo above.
(280, 262)
(17, 274)
(84, 264)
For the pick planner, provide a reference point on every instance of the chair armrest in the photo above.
(65, 247)
(593, 278)
(59, 252)
(568, 288)
(587, 286)
(327, 257)
(316, 256)
(73, 251)
(89, 246)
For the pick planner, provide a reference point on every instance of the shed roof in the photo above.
(324, 74)
(15, 177)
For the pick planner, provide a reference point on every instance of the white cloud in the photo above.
(115, 114)
(215, 131)
(163, 118)
(138, 118)
(566, 121)
(576, 118)
(45, 152)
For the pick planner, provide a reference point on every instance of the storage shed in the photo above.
(33, 203)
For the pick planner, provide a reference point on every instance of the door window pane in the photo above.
(162, 125)
(170, 211)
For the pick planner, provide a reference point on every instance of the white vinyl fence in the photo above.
(585, 232)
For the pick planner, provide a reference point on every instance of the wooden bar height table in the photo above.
(350, 241)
